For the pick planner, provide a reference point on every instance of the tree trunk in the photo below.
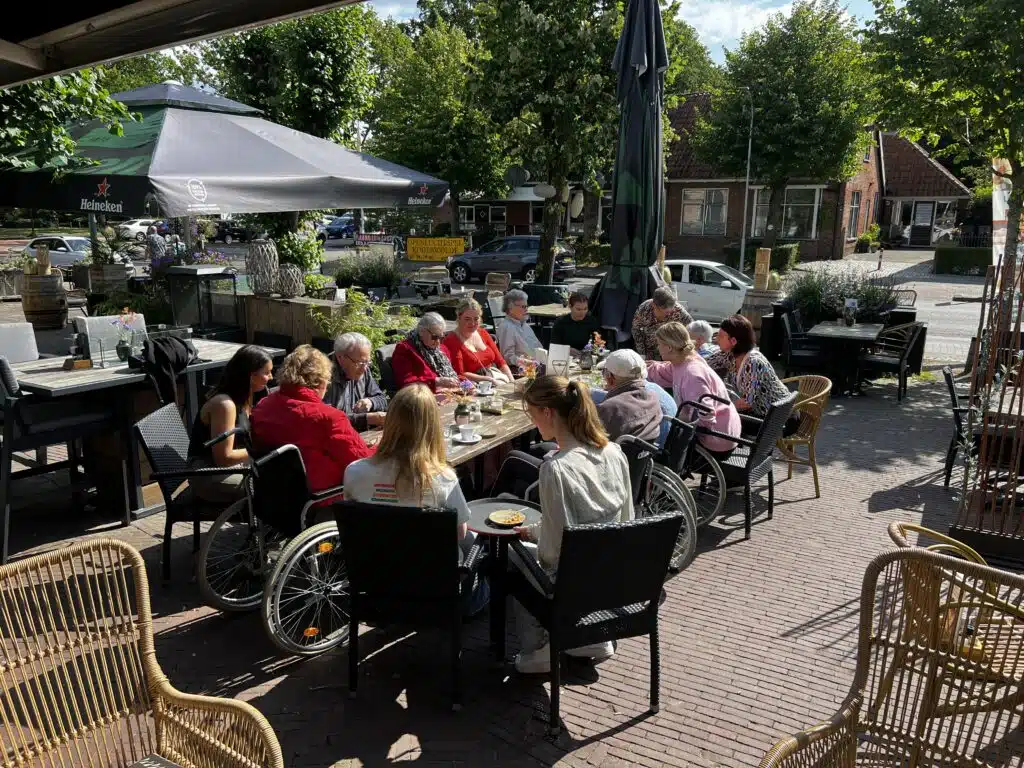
(554, 214)
(774, 223)
(1008, 278)
(591, 214)
(453, 201)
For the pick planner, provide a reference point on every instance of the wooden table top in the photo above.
(48, 377)
(866, 332)
(510, 425)
(552, 311)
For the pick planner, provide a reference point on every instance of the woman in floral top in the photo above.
(747, 372)
(661, 308)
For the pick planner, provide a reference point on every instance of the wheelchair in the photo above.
(240, 564)
(697, 469)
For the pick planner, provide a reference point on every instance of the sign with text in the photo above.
(762, 266)
(434, 248)
(365, 238)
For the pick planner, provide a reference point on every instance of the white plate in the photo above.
(476, 439)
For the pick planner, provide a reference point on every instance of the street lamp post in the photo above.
(746, 188)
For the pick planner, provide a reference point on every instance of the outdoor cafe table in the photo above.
(548, 312)
(47, 378)
(844, 343)
(497, 541)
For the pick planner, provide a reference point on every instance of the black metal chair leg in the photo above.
(457, 659)
(951, 452)
(771, 493)
(556, 684)
(353, 650)
(746, 510)
(655, 669)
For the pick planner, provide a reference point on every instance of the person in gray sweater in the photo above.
(629, 408)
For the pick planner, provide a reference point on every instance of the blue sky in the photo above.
(720, 23)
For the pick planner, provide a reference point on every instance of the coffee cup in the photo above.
(467, 432)
(483, 387)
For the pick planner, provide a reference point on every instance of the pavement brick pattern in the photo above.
(758, 637)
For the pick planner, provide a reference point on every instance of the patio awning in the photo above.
(35, 45)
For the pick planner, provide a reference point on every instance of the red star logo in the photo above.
(102, 188)
(423, 189)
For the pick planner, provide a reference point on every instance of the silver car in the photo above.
(68, 250)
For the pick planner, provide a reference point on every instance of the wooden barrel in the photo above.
(44, 302)
(758, 303)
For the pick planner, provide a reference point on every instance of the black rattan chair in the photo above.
(414, 579)
(165, 440)
(905, 297)
(891, 354)
(628, 560)
(798, 352)
(324, 344)
(961, 438)
(752, 461)
(640, 456)
(387, 373)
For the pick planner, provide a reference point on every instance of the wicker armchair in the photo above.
(82, 685)
(940, 671)
(812, 393)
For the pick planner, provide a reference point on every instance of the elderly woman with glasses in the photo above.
(516, 338)
(353, 390)
(420, 358)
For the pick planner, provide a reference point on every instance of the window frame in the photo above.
(853, 220)
(816, 210)
(704, 208)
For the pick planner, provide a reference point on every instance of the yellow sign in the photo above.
(433, 248)
(762, 266)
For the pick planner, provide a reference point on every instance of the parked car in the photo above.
(228, 232)
(66, 251)
(137, 228)
(338, 227)
(516, 254)
(709, 290)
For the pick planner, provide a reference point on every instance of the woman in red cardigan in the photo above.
(420, 357)
(473, 352)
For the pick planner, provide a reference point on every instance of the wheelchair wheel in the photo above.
(668, 495)
(306, 601)
(706, 483)
(234, 558)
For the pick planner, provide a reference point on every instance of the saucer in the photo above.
(473, 441)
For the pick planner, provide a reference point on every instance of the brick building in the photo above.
(704, 208)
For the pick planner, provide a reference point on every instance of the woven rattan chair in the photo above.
(939, 680)
(812, 393)
(81, 682)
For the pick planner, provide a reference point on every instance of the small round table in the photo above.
(498, 539)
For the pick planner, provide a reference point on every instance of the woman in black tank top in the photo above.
(228, 406)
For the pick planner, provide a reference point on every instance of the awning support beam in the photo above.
(19, 54)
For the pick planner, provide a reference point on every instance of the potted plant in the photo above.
(12, 275)
(125, 333)
(593, 347)
(319, 286)
(464, 404)
(106, 267)
(377, 269)
(297, 253)
(868, 241)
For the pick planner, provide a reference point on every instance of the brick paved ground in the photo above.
(757, 637)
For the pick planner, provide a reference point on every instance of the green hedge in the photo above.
(962, 261)
(784, 256)
(594, 253)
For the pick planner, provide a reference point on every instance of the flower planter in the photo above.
(262, 267)
(10, 282)
(107, 278)
(289, 281)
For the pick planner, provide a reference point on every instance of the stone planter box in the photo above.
(287, 316)
(11, 282)
(107, 278)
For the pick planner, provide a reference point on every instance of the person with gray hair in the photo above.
(156, 246)
(516, 338)
(702, 334)
(353, 390)
(663, 307)
(420, 358)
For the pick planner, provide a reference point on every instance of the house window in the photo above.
(497, 214)
(537, 213)
(874, 211)
(704, 212)
(466, 217)
(853, 225)
(799, 213)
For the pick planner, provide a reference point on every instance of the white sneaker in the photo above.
(595, 652)
(536, 662)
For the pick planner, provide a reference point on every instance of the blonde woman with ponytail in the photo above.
(585, 481)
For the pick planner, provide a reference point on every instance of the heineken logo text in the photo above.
(419, 201)
(101, 206)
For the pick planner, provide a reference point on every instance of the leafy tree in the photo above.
(955, 69)
(34, 118)
(425, 118)
(453, 13)
(185, 65)
(311, 74)
(548, 79)
(690, 67)
(812, 97)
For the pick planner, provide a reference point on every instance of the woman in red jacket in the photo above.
(420, 358)
(296, 414)
(474, 354)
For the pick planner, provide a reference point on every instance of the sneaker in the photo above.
(536, 662)
(595, 652)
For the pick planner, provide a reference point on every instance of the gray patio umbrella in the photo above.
(638, 191)
(196, 153)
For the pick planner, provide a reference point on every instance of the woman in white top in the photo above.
(586, 481)
(410, 469)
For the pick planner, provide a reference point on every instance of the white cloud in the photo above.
(724, 22)
(400, 10)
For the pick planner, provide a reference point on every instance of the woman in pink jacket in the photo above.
(691, 378)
